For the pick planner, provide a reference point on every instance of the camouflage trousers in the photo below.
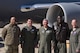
(11, 49)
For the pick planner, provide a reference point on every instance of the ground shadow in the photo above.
(1, 45)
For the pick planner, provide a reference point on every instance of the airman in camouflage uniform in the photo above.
(10, 35)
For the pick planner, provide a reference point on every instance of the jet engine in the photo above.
(69, 11)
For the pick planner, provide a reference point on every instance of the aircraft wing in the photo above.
(26, 8)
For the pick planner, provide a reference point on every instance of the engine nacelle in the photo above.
(68, 10)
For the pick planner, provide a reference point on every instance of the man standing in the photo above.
(10, 35)
(74, 38)
(46, 34)
(29, 37)
(62, 31)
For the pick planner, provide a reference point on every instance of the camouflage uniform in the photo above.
(10, 35)
(11, 49)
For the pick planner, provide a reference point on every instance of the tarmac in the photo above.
(2, 50)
